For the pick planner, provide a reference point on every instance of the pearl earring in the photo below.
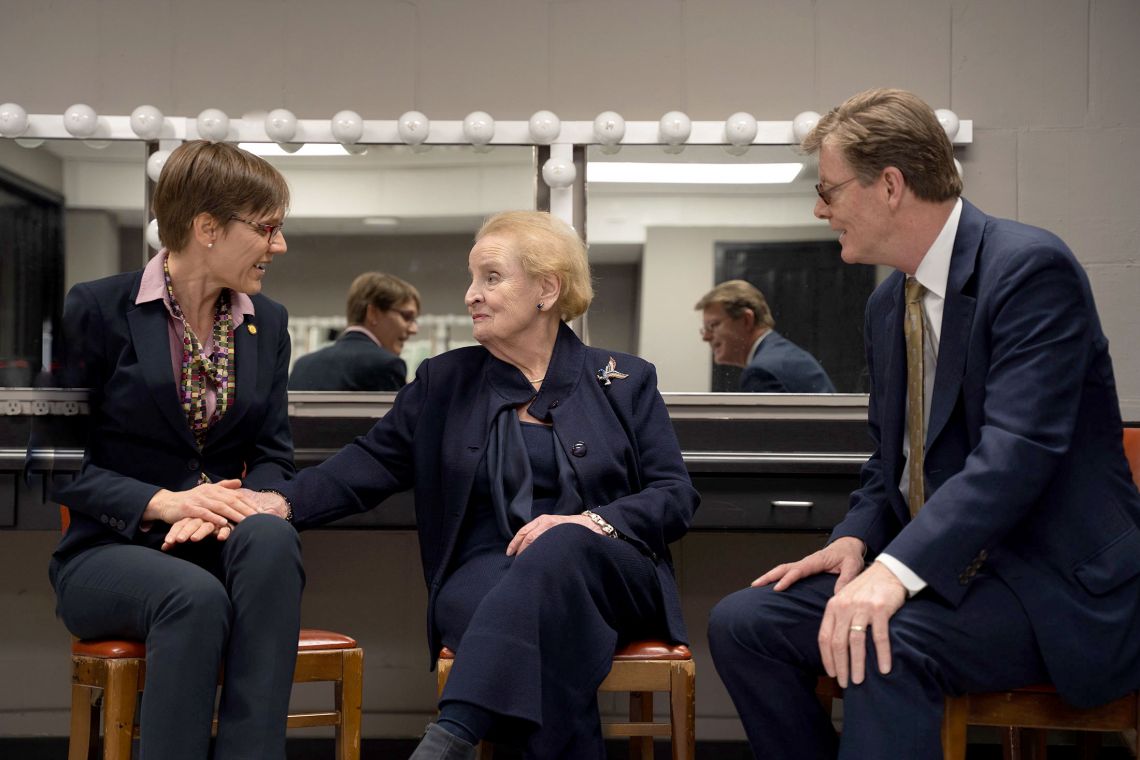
(209, 245)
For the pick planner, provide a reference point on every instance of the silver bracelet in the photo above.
(598, 520)
(288, 507)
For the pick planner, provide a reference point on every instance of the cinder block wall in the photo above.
(1050, 84)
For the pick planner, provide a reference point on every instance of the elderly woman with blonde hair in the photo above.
(549, 485)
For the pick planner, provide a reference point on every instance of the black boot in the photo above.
(440, 744)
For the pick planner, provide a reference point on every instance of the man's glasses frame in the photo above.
(824, 193)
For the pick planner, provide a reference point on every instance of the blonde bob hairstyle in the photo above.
(547, 247)
(218, 179)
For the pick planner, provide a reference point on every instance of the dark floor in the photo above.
(396, 749)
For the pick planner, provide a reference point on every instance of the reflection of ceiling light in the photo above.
(693, 174)
(381, 221)
(308, 149)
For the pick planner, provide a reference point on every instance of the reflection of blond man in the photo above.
(738, 327)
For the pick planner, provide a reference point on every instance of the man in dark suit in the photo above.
(1003, 552)
(738, 326)
(382, 311)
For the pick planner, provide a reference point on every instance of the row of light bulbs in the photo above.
(413, 127)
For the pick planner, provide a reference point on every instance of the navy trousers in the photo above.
(765, 647)
(534, 635)
(236, 602)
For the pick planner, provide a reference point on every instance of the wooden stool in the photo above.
(1033, 708)
(114, 672)
(640, 668)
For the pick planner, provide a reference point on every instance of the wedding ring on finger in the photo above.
(858, 628)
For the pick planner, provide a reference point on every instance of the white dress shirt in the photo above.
(933, 273)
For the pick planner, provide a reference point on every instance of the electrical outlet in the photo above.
(41, 408)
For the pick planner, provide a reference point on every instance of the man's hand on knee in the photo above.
(842, 557)
(865, 605)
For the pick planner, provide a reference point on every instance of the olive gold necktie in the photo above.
(915, 390)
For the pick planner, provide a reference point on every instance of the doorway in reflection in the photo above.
(816, 299)
(655, 221)
(31, 278)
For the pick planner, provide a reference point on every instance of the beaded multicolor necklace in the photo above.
(198, 367)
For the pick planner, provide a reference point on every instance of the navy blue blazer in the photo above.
(138, 440)
(618, 438)
(1024, 459)
(780, 366)
(353, 363)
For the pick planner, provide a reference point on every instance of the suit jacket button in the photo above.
(578, 449)
(104, 519)
(192, 465)
(121, 525)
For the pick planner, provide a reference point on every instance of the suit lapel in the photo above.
(957, 319)
(894, 379)
(151, 341)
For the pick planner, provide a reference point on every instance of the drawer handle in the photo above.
(799, 504)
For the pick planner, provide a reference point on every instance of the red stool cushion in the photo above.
(649, 649)
(653, 650)
(310, 640)
(116, 649)
(314, 639)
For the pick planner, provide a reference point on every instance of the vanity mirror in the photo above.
(410, 197)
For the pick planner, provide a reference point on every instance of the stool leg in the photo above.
(119, 699)
(349, 696)
(954, 728)
(682, 709)
(641, 711)
(84, 723)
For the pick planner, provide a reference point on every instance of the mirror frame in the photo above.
(560, 181)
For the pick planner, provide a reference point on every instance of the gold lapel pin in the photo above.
(252, 329)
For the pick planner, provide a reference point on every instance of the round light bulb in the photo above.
(281, 125)
(213, 125)
(558, 173)
(347, 127)
(478, 128)
(13, 120)
(740, 129)
(29, 142)
(413, 127)
(803, 124)
(544, 127)
(152, 238)
(675, 127)
(80, 120)
(154, 164)
(949, 121)
(354, 149)
(609, 128)
(290, 147)
(146, 122)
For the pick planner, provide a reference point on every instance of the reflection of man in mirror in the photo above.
(994, 540)
(738, 326)
(382, 313)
